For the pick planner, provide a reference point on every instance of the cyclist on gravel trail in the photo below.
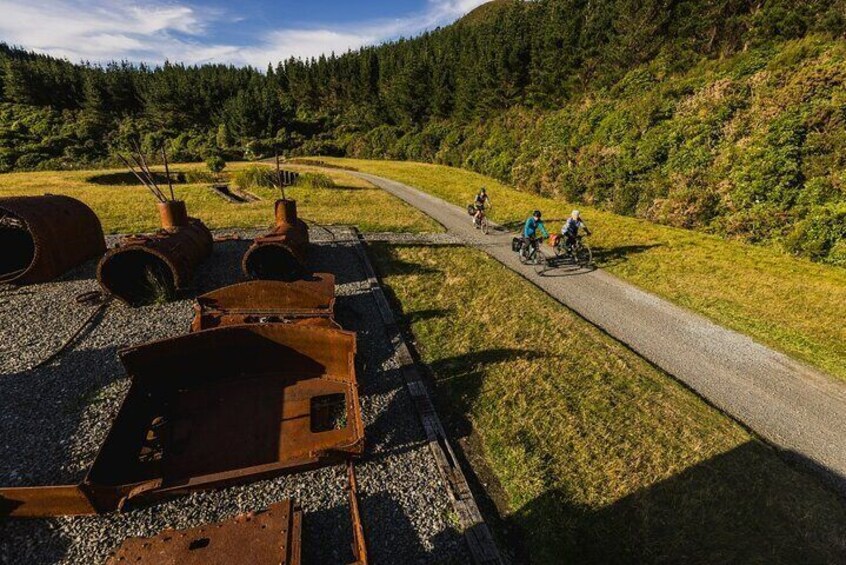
(482, 199)
(532, 227)
(570, 229)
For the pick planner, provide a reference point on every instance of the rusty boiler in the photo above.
(145, 269)
(43, 237)
(281, 254)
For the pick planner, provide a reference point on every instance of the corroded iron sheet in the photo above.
(214, 408)
(282, 253)
(42, 237)
(309, 301)
(271, 537)
(147, 268)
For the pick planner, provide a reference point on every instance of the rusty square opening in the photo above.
(328, 412)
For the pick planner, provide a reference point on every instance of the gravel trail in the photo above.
(53, 419)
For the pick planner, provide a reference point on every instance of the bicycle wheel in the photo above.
(559, 248)
(540, 262)
(485, 225)
(584, 256)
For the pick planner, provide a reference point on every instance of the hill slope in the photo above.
(720, 115)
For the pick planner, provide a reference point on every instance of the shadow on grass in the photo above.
(606, 257)
(128, 179)
(743, 506)
(393, 265)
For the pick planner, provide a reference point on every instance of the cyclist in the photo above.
(482, 199)
(530, 230)
(570, 229)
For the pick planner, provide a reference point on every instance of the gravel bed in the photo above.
(53, 419)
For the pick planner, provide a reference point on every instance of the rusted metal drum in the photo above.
(281, 254)
(146, 269)
(43, 237)
(309, 302)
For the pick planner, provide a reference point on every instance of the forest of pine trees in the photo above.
(498, 92)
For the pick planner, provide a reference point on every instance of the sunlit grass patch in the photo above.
(601, 457)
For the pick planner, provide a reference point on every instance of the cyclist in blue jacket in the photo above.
(530, 230)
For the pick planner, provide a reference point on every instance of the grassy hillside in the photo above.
(130, 208)
(599, 457)
(751, 146)
(791, 304)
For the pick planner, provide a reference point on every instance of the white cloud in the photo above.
(104, 30)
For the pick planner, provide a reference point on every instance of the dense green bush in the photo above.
(315, 180)
(255, 176)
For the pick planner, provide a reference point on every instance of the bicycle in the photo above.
(480, 221)
(531, 254)
(580, 251)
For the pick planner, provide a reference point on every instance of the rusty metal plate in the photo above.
(43, 237)
(282, 253)
(271, 537)
(215, 408)
(145, 269)
(309, 301)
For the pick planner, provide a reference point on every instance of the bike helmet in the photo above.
(537, 214)
(575, 214)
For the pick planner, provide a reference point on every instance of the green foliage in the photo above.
(215, 164)
(315, 180)
(255, 176)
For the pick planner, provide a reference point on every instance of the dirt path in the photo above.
(796, 408)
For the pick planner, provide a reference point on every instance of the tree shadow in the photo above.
(610, 256)
(464, 375)
(393, 265)
(743, 506)
(126, 178)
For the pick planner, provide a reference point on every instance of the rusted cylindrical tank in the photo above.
(43, 237)
(146, 269)
(281, 254)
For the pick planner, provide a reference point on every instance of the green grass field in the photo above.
(131, 208)
(600, 457)
(791, 304)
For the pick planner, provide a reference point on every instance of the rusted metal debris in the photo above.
(282, 253)
(214, 408)
(270, 537)
(144, 269)
(359, 546)
(309, 301)
(42, 237)
(273, 537)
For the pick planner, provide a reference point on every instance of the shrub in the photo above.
(215, 164)
(315, 180)
(254, 176)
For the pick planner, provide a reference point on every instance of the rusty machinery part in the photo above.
(359, 546)
(214, 408)
(308, 301)
(173, 214)
(282, 253)
(270, 537)
(43, 237)
(144, 269)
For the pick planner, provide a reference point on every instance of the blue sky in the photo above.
(248, 32)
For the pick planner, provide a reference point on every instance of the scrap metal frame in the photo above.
(211, 409)
(307, 302)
